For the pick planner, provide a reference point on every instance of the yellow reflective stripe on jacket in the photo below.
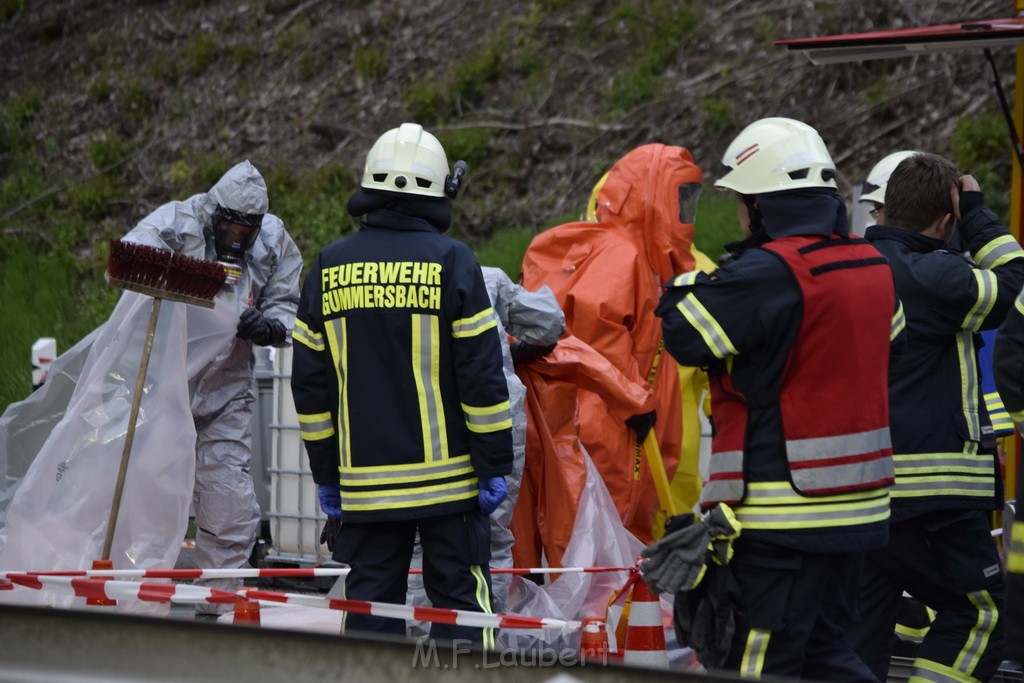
(425, 367)
(337, 333)
(302, 334)
(1015, 558)
(899, 321)
(407, 497)
(997, 252)
(969, 383)
(316, 427)
(1001, 421)
(685, 279)
(776, 505)
(712, 333)
(486, 419)
(948, 474)
(479, 323)
(406, 472)
(988, 287)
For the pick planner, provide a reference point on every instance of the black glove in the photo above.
(259, 329)
(523, 352)
(642, 423)
(970, 200)
(330, 532)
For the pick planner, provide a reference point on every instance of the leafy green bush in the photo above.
(44, 295)
(981, 147)
(312, 203)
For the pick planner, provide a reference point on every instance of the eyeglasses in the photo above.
(874, 214)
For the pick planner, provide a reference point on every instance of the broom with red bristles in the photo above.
(160, 274)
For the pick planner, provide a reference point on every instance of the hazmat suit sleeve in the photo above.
(577, 362)
(174, 227)
(279, 297)
(311, 370)
(535, 317)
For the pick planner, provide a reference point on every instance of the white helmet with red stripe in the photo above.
(774, 155)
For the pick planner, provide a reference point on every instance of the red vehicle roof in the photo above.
(910, 41)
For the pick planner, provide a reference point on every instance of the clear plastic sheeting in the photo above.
(599, 539)
(58, 510)
(25, 426)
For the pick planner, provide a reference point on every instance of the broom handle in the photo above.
(130, 435)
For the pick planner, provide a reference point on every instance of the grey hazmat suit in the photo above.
(534, 318)
(222, 395)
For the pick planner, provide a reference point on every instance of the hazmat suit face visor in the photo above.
(689, 193)
(234, 233)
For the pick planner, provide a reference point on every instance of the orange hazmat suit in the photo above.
(607, 276)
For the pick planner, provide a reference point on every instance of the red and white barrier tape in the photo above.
(280, 572)
(189, 594)
(181, 593)
(431, 614)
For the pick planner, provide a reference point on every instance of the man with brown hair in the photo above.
(947, 477)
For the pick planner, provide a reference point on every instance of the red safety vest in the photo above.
(833, 395)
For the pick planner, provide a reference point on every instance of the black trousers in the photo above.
(456, 550)
(794, 613)
(948, 561)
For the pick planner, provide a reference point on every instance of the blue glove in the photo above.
(492, 493)
(330, 499)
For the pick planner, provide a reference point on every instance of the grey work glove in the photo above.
(678, 561)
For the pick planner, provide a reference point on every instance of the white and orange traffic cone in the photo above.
(247, 612)
(103, 602)
(594, 641)
(645, 630)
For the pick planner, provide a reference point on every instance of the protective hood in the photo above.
(651, 194)
(241, 189)
(808, 211)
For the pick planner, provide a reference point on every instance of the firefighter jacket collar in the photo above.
(915, 240)
(390, 220)
(372, 203)
(809, 211)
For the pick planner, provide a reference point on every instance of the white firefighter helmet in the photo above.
(409, 160)
(873, 189)
(776, 154)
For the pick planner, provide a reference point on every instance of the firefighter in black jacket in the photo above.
(947, 475)
(795, 331)
(398, 384)
(1008, 366)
